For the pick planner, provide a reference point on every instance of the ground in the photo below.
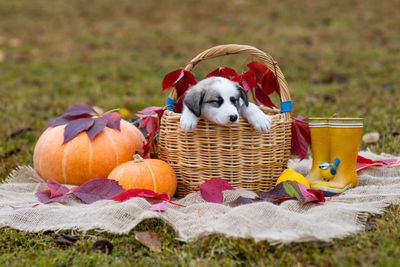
(339, 57)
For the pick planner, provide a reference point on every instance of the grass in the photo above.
(338, 57)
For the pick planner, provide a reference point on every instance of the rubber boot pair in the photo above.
(334, 145)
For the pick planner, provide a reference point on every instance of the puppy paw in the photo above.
(261, 122)
(188, 121)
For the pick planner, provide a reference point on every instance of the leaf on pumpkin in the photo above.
(59, 121)
(181, 79)
(56, 189)
(113, 120)
(78, 110)
(75, 127)
(363, 163)
(149, 239)
(223, 72)
(301, 138)
(98, 189)
(98, 126)
(211, 190)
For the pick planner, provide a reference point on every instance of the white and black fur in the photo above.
(222, 101)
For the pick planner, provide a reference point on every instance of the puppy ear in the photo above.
(243, 95)
(194, 100)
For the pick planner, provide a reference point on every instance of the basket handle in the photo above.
(229, 49)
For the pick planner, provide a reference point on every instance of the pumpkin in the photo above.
(81, 159)
(153, 174)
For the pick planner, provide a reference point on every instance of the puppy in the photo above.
(222, 101)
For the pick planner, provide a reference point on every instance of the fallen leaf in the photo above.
(56, 189)
(44, 196)
(211, 190)
(144, 193)
(102, 245)
(149, 239)
(98, 189)
(363, 163)
(24, 207)
(162, 206)
(65, 240)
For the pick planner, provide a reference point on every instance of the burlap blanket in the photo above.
(289, 222)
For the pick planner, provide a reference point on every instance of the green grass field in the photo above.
(339, 57)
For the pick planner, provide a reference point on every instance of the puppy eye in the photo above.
(233, 99)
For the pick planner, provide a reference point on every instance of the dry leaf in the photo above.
(149, 239)
(371, 138)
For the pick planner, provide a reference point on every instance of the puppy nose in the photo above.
(233, 118)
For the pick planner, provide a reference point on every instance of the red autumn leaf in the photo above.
(223, 72)
(44, 196)
(24, 207)
(263, 98)
(98, 189)
(303, 127)
(246, 80)
(258, 68)
(159, 111)
(211, 190)
(148, 146)
(299, 142)
(318, 194)
(113, 120)
(97, 127)
(78, 109)
(269, 83)
(150, 122)
(144, 193)
(363, 163)
(181, 79)
(178, 106)
(56, 189)
(75, 127)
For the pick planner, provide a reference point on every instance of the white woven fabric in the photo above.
(288, 222)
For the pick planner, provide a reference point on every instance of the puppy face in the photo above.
(216, 99)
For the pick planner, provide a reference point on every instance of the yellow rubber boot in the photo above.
(345, 135)
(319, 146)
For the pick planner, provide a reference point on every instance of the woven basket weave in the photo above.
(238, 153)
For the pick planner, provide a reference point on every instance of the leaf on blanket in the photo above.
(144, 193)
(98, 189)
(211, 190)
(289, 190)
(44, 196)
(162, 206)
(149, 239)
(363, 163)
(56, 189)
(24, 207)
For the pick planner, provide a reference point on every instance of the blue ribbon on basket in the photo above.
(170, 103)
(286, 106)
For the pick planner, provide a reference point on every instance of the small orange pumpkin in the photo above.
(153, 174)
(80, 159)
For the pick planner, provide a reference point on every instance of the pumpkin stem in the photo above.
(137, 158)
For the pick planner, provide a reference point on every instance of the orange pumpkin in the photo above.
(80, 159)
(153, 174)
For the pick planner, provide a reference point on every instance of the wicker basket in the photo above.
(238, 153)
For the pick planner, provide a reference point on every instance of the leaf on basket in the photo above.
(211, 190)
(263, 98)
(301, 137)
(149, 239)
(98, 189)
(181, 79)
(363, 163)
(223, 72)
(246, 80)
(265, 77)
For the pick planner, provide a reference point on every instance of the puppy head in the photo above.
(216, 99)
